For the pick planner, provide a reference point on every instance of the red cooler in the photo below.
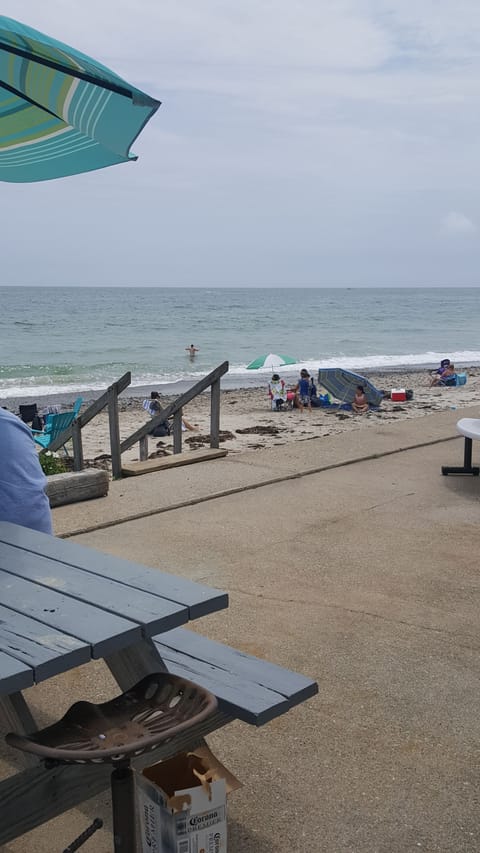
(399, 395)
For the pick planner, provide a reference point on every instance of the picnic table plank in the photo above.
(199, 599)
(14, 675)
(236, 697)
(38, 646)
(233, 660)
(104, 631)
(246, 687)
(153, 613)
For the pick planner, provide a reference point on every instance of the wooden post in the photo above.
(177, 431)
(114, 433)
(16, 717)
(77, 446)
(143, 448)
(215, 414)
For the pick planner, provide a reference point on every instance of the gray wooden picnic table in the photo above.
(63, 605)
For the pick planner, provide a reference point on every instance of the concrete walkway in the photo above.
(160, 491)
(364, 576)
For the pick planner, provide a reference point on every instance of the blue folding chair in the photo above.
(76, 409)
(56, 424)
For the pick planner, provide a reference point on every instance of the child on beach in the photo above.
(277, 393)
(360, 402)
(302, 391)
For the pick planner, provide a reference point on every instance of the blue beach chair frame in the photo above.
(56, 424)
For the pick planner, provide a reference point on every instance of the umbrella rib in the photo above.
(57, 66)
(25, 97)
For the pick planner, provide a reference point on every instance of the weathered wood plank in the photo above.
(77, 446)
(143, 448)
(105, 632)
(236, 696)
(15, 716)
(131, 665)
(55, 791)
(14, 675)
(199, 599)
(133, 469)
(215, 414)
(77, 486)
(234, 660)
(153, 614)
(38, 646)
(249, 688)
(114, 429)
(177, 432)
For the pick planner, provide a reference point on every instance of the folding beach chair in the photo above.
(54, 427)
(27, 412)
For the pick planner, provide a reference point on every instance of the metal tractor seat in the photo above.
(153, 711)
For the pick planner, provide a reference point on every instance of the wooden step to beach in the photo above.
(133, 469)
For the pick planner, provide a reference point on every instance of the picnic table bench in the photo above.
(63, 605)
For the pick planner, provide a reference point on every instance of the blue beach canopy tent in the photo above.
(61, 112)
(342, 384)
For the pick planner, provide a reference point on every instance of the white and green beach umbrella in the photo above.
(271, 361)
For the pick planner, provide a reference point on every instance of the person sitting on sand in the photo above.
(444, 364)
(153, 406)
(277, 393)
(360, 402)
(302, 391)
(447, 377)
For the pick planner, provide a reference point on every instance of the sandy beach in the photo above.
(248, 424)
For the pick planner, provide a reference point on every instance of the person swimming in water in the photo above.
(191, 350)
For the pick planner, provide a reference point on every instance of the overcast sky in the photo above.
(314, 143)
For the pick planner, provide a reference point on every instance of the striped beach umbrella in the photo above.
(61, 113)
(342, 384)
(271, 361)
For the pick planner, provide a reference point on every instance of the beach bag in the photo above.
(409, 394)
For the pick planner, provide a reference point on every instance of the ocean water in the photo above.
(62, 340)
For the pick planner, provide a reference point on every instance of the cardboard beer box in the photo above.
(182, 804)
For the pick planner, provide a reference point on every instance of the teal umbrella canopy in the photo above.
(62, 113)
(271, 361)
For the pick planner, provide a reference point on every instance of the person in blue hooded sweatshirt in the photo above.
(23, 499)
(302, 391)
